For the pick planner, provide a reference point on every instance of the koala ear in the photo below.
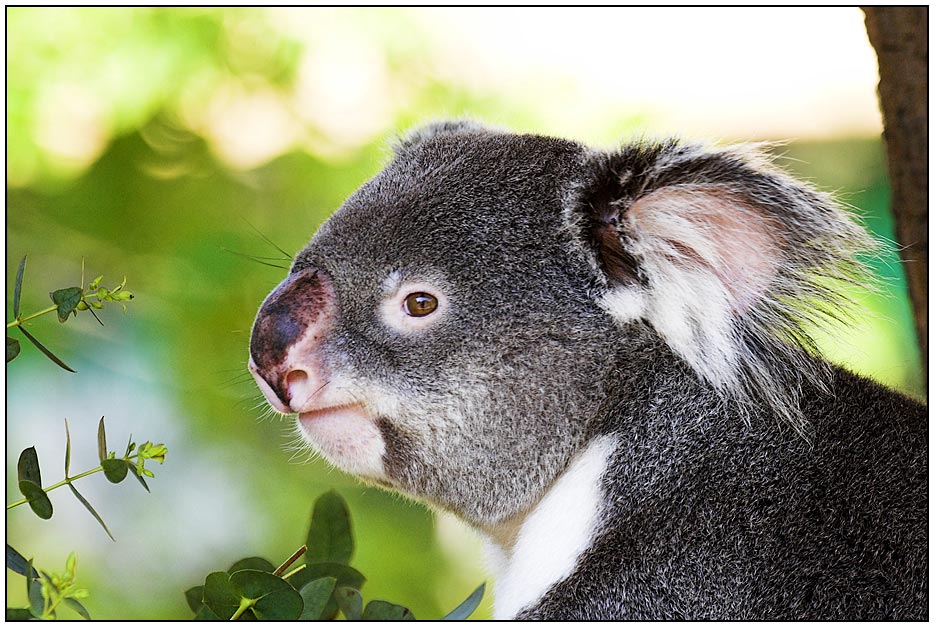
(726, 257)
(421, 134)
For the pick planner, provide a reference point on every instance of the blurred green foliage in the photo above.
(138, 139)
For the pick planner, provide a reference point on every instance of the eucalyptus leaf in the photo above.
(18, 287)
(12, 348)
(94, 513)
(39, 501)
(275, 598)
(67, 449)
(194, 598)
(44, 350)
(383, 610)
(101, 440)
(80, 609)
(27, 468)
(316, 594)
(34, 594)
(344, 574)
(17, 563)
(252, 563)
(468, 605)
(206, 613)
(350, 602)
(67, 300)
(115, 469)
(220, 596)
(330, 538)
(17, 614)
(139, 477)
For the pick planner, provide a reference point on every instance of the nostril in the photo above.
(294, 380)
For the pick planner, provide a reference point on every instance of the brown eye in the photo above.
(420, 304)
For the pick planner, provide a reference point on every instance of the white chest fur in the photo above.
(553, 534)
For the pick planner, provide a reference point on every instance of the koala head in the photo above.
(451, 330)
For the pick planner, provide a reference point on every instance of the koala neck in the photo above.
(539, 547)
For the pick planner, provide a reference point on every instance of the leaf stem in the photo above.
(245, 604)
(20, 321)
(68, 480)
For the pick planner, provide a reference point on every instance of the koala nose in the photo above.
(284, 346)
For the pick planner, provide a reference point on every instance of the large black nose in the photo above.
(286, 336)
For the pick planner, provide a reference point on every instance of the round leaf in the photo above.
(115, 469)
(194, 598)
(383, 610)
(12, 348)
(350, 602)
(67, 300)
(220, 596)
(252, 563)
(206, 613)
(275, 598)
(345, 575)
(316, 595)
(38, 500)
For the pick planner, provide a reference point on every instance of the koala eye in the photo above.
(419, 304)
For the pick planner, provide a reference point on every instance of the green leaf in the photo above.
(12, 348)
(16, 613)
(194, 597)
(67, 449)
(101, 440)
(206, 613)
(383, 610)
(67, 300)
(345, 575)
(275, 598)
(329, 535)
(252, 563)
(30, 483)
(17, 563)
(34, 593)
(27, 468)
(139, 477)
(220, 596)
(115, 469)
(76, 606)
(88, 507)
(44, 350)
(468, 605)
(350, 602)
(316, 594)
(39, 501)
(18, 287)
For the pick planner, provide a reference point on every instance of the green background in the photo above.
(158, 205)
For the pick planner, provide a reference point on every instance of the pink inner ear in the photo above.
(709, 229)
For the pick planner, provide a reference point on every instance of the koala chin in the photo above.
(601, 360)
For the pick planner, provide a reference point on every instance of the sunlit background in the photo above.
(157, 143)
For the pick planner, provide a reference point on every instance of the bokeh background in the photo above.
(162, 144)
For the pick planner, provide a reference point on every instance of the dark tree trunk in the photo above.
(900, 37)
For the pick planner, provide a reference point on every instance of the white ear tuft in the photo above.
(707, 258)
(730, 261)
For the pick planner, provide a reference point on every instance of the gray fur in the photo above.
(717, 507)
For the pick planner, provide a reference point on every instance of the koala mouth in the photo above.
(333, 412)
(348, 437)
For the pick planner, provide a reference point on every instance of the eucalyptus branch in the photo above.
(138, 460)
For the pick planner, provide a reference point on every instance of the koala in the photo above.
(601, 361)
